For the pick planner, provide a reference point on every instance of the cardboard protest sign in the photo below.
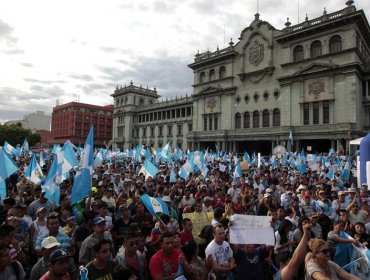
(200, 220)
(247, 229)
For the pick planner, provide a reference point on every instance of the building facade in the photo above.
(34, 121)
(310, 79)
(72, 121)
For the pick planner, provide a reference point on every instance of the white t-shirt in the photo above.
(220, 253)
(234, 194)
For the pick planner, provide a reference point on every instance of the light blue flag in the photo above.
(25, 146)
(10, 149)
(55, 149)
(7, 168)
(275, 163)
(98, 159)
(147, 154)
(344, 251)
(205, 172)
(66, 161)
(237, 172)
(246, 157)
(82, 182)
(172, 176)
(50, 186)
(330, 174)
(150, 169)
(345, 174)
(34, 172)
(165, 151)
(155, 205)
(41, 159)
(186, 169)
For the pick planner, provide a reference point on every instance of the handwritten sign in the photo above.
(247, 229)
(200, 220)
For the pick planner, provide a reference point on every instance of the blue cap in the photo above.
(98, 220)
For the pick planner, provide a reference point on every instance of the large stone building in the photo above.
(311, 79)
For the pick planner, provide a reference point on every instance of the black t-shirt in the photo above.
(250, 266)
(121, 228)
(100, 274)
(81, 233)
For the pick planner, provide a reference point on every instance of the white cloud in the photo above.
(53, 49)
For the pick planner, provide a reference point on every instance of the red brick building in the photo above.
(72, 121)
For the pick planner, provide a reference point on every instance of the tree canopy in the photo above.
(15, 134)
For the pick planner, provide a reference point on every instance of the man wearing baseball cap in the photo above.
(58, 266)
(87, 252)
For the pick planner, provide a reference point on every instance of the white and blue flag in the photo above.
(7, 168)
(82, 182)
(155, 205)
(10, 149)
(51, 186)
(66, 161)
(34, 172)
(150, 169)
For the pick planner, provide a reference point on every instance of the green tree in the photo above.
(13, 134)
(33, 139)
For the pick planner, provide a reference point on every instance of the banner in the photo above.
(247, 229)
(200, 220)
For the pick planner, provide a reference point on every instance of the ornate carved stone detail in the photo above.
(316, 87)
(256, 53)
(211, 103)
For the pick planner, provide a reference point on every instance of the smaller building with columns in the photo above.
(139, 118)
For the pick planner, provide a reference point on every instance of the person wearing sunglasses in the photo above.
(319, 266)
(129, 256)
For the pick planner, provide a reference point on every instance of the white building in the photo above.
(34, 121)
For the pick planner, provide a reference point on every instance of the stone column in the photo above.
(297, 146)
(339, 143)
(332, 144)
(346, 149)
(223, 146)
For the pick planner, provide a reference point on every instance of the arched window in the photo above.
(256, 119)
(298, 53)
(238, 120)
(276, 117)
(202, 77)
(212, 75)
(265, 118)
(247, 120)
(335, 44)
(141, 102)
(222, 72)
(316, 48)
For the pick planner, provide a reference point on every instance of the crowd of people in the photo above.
(111, 235)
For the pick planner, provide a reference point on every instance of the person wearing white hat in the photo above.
(234, 192)
(341, 202)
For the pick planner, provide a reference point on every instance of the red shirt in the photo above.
(46, 276)
(161, 264)
(185, 237)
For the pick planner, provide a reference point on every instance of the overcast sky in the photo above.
(52, 50)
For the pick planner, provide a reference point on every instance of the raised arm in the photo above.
(290, 270)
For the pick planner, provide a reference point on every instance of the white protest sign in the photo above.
(247, 229)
